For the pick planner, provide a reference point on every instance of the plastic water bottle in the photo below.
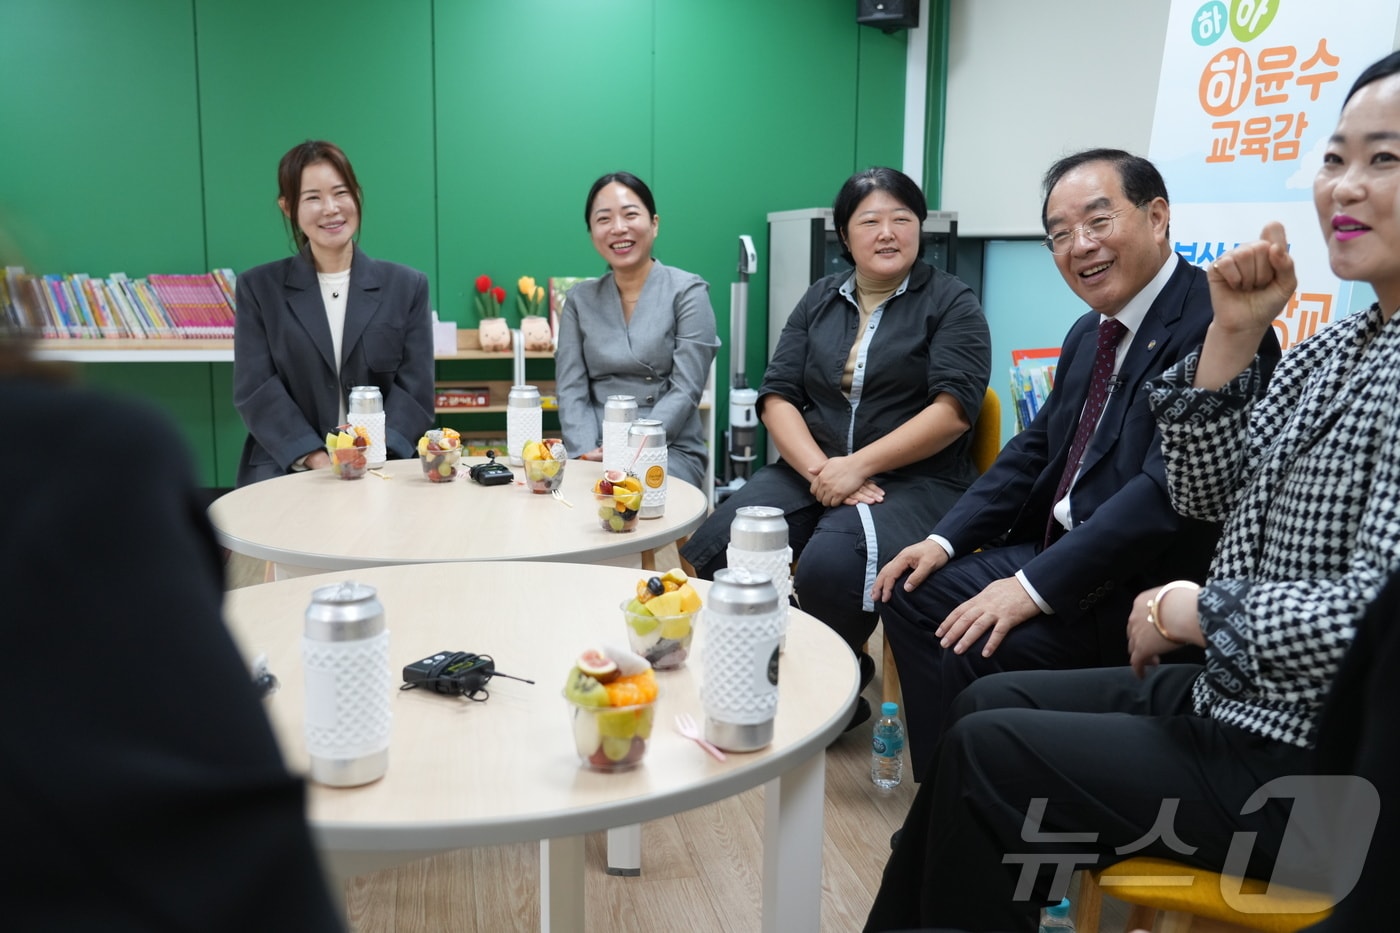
(887, 749)
(1056, 919)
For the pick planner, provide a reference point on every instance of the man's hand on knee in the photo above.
(919, 559)
(999, 608)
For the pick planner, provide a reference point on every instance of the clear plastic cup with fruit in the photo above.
(348, 448)
(440, 450)
(619, 499)
(661, 619)
(544, 464)
(612, 694)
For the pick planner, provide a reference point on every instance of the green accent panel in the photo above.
(182, 390)
(527, 117)
(475, 129)
(936, 110)
(99, 169)
(880, 98)
(747, 124)
(229, 431)
(274, 73)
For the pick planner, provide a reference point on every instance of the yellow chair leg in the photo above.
(1140, 918)
(1090, 903)
(1174, 921)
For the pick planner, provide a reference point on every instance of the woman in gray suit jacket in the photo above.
(644, 329)
(311, 326)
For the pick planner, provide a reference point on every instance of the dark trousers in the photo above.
(931, 677)
(829, 546)
(1047, 771)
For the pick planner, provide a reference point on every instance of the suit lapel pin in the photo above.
(1151, 344)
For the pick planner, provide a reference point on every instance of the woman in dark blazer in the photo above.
(313, 325)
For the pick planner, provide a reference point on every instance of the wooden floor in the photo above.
(700, 869)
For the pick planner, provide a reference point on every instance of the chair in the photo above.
(1171, 895)
(986, 444)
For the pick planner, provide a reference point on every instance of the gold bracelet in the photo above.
(1152, 607)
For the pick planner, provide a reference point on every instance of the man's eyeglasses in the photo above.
(1095, 228)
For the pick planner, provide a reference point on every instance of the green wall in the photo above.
(475, 129)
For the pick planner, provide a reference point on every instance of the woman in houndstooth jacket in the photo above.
(1307, 482)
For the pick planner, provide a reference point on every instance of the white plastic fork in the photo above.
(686, 726)
(558, 494)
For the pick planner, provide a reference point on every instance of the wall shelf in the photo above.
(192, 351)
(135, 351)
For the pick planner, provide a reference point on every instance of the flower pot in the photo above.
(494, 334)
(534, 332)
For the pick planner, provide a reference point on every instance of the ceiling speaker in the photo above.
(888, 15)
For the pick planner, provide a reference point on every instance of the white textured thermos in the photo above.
(758, 543)
(345, 660)
(619, 411)
(367, 409)
(646, 450)
(524, 420)
(739, 659)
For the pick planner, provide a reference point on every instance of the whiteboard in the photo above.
(1030, 81)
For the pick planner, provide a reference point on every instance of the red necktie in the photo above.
(1111, 332)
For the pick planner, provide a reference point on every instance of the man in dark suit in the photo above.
(1065, 544)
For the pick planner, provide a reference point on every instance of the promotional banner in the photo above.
(1249, 94)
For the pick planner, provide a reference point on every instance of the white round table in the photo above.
(465, 774)
(314, 521)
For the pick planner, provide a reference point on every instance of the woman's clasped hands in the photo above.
(842, 481)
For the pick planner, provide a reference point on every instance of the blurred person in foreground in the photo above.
(1177, 761)
(141, 788)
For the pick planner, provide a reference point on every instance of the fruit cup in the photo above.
(618, 510)
(440, 466)
(664, 640)
(611, 738)
(348, 462)
(544, 476)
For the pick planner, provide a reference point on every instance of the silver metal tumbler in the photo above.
(366, 408)
(345, 659)
(744, 622)
(524, 420)
(646, 443)
(619, 411)
(758, 543)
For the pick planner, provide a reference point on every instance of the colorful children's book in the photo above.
(1032, 378)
